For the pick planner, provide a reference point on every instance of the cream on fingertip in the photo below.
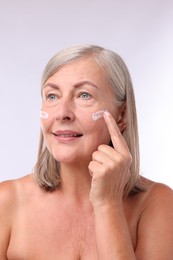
(99, 114)
(44, 115)
(106, 113)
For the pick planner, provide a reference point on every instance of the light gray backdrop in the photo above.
(32, 31)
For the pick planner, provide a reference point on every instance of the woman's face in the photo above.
(70, 97)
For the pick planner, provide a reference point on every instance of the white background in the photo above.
(32, 31)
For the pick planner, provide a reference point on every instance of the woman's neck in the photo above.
(75, 181)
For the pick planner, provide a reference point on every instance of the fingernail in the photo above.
(106, 113)
(97, 115)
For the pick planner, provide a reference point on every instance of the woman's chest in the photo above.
(45, 232)
(50, 235)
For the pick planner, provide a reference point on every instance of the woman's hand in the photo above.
(110, 168)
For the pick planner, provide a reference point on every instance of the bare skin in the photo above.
(87, 217)
(40, 225)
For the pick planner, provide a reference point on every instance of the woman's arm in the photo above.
(155, 229)
(112, 234)
(154, 233)
(110, 170)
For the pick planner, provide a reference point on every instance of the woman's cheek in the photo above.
(99, 130)
(44, 114)
(45, 120)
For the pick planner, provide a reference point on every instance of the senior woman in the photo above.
(86, 198)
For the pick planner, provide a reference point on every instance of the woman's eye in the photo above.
(51, 97)
(85, 95)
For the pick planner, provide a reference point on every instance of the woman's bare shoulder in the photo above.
(155, 226)
(11, 190)
(154, 198)
(155, 191)
(151, 192)
(159, 200)
(7, 193)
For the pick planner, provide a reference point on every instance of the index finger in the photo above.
(118, 140)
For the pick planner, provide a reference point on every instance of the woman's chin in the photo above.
(72, 160)
(67, 159)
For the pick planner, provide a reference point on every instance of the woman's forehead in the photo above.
(84, 69)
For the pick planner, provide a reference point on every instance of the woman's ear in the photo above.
(122, 118)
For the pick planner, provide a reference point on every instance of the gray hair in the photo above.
(47, 172)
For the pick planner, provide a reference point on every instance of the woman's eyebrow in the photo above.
(85, 82)
(52, 85)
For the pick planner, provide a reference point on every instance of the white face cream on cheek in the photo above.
(44, 115)
(97, 115)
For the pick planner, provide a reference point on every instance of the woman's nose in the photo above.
(65, 111)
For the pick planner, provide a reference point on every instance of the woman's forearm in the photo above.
(112, 234)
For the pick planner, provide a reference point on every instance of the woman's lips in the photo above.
(66, 135)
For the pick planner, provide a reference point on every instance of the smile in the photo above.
(66, 135)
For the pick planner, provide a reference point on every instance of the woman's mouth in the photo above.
(66, 135)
